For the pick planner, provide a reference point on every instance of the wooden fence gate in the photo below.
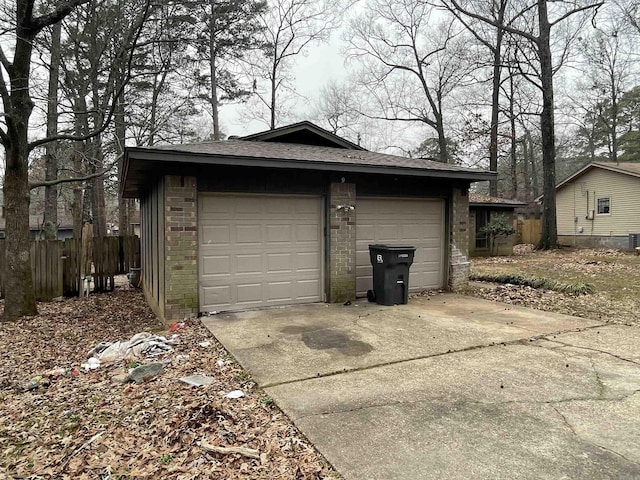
(57, 265)
(528, 231)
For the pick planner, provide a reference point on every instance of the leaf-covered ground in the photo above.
(614, 275)
(92, 426)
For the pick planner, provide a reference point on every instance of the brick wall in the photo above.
(181, 247)
(342, 242)
(459, 265)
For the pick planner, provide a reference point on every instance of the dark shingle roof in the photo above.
(478, 199)
(309, 153)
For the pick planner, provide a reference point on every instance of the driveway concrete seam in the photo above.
(551, 403)
(392, 362)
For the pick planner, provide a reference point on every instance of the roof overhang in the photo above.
(503, 206)
(139, 164)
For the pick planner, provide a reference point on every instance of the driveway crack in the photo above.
(590, 349)
(573, 431)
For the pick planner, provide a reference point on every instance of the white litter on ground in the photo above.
(142, 344)
(235, 394)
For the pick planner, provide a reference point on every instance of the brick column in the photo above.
(459, 265)
(342, 242)
(181, 247)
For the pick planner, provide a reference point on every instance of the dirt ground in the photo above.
(61, 422)
(614, 275)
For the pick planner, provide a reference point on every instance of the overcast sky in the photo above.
(322, 63)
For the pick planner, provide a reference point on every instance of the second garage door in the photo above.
(259, 250)
(417, 222)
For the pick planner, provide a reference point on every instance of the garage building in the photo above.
(286, 217)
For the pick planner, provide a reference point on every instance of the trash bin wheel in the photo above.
(371, 296)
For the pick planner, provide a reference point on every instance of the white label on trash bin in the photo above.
(379, 258)
(403, 255)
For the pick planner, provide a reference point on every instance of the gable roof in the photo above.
(626, 168)
(478, 200)
(305, 133)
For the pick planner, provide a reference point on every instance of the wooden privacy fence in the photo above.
(528, 231)
(57, 266)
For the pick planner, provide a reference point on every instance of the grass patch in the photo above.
(534, 282)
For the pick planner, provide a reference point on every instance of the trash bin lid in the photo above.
(379, 246)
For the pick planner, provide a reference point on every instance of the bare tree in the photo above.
(540, 39)
(412, 61)
(492, 40)
(609, 68)
(288, 28)
(336, 108)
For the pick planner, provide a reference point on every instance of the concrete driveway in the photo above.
(449, 387)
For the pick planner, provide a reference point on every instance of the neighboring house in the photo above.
(36, 228)
(286, 217)
(482, 208)
(599, 206)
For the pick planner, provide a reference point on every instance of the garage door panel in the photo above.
(248, 263)
(259, 250)
(218, 235)
(280, 291)
(248, 293)
(216, 295)
(307, 233)
(248, 234)
(308, 262)
(278, 233)
(279, 262)
(216, 265)
(417, 222)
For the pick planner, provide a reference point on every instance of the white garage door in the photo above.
(258, 250)
(417, 222)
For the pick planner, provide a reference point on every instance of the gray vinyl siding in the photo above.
(574, 200)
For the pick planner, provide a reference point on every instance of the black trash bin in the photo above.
(390, 273)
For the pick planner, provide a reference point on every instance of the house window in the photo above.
(482, 218)
(604, 205)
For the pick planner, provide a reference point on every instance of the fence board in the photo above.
(528, 231)
(56, 265)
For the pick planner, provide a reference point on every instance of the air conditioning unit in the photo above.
(634, 241)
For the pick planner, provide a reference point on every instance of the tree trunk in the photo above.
(495, 102)
(443, 154)
(525, 170)
(18, 289)
(213, 73)
(121, 132)
(77, 207)
(272, 108)
(549, 238)
(614, 118)
(514, 145)
(51, 155)
(98, 208)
